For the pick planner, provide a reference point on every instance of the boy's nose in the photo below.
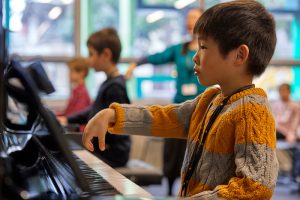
(196, 59)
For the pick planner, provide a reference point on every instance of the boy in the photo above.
(104, 52)
(230, 130)
(79, 99)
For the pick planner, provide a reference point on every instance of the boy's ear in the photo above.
(107, 52)
(242, 54)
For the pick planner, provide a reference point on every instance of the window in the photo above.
(47, 29)
(58, 73)
(275, 75)
(40, 28)
(104, 14)
(285, 47)
(3, 12)
(155, 34)
(155, 30)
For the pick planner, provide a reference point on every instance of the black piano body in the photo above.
(35, 159)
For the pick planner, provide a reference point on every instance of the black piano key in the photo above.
(98, 185)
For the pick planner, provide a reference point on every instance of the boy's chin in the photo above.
(203, 82)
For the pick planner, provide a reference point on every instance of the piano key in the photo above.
(114, 178)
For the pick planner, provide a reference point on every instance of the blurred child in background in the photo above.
(79, 98)
(104, 53)
(287, 116)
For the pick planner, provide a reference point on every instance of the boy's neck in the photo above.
(112, 71)
(231, 89)
(77, 83)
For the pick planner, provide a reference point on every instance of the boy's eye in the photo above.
(203, 47)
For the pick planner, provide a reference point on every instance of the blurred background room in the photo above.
(55, 31)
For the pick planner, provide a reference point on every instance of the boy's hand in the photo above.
(129, 72)
(97, 127)
(62, 120)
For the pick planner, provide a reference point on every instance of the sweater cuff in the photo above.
(118, 126)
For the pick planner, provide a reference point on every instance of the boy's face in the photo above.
(76, 76)
(211, 67)
(96, 60)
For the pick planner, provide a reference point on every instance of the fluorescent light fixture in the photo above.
(155, 16)
(54, 12)
(183, 3)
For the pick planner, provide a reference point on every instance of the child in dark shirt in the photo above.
(104, 52)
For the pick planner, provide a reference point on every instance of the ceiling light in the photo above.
(155, 16)
(54, 13)
(183, 3)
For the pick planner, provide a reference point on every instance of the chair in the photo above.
(144, 166)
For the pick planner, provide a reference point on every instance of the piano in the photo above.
(38, 161)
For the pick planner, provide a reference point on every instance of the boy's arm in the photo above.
(255, 159)
(97, 127)
(170, 121)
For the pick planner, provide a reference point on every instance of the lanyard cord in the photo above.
(199, 146)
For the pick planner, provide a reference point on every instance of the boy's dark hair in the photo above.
(106, 38)
(240, 22)
(79, 64)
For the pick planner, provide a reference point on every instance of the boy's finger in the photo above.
(90, 146)
(101, 140)
(86, 141)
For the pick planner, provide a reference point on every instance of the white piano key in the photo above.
(125, 186)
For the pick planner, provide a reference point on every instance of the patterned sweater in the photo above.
(238, 160)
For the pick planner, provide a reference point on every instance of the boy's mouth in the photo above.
(196, 71)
